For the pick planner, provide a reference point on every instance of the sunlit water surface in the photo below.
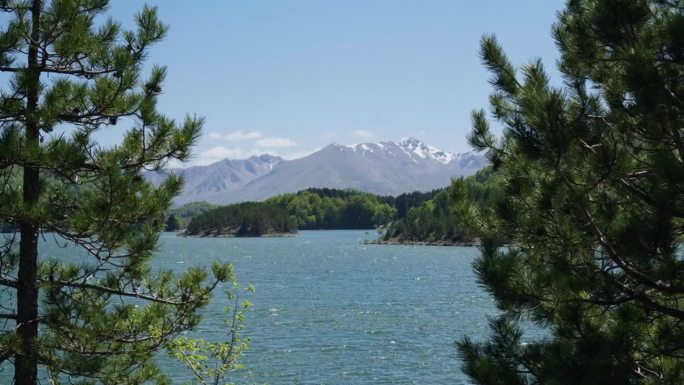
(329, 309)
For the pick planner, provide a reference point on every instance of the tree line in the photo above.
(439, 215)
(179, 217)
(306, 210)
(445, 218)
(335, 209)
(247, 219)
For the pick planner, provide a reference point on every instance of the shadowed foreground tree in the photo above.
(99, 315)
(594, 177)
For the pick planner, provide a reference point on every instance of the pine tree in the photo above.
(173, 222)
(69, 74)
(594, 177)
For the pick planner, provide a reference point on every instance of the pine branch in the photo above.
(6, 355)
(9, 282)
(627, 267)
(192, 367)
(149, 296)
(66, 70)
(12, 316)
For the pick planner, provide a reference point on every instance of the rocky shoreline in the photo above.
(211, 234)
(468, 243)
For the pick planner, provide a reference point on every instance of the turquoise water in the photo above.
(329, 309)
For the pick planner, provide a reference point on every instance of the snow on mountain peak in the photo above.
(411, 146)
(426, 151)
(413, 143)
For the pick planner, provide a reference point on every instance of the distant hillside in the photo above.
(384, 168)
(213, 182)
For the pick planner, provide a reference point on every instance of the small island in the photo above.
(248, 219)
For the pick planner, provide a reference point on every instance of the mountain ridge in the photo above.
(384, 168)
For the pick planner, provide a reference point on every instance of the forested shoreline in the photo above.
(248, 219)
(438, 217)
(448, 218)
(310, 209)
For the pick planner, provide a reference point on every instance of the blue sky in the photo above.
(288, 77)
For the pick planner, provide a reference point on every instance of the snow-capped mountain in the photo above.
(463, 164)
(425, 151)
(386, 168)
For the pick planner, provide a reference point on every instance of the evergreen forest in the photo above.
(311, 209)
(444, 216)
(179, 217)
(416, 217)
(335, 209)
(447, 218)
(248, 219)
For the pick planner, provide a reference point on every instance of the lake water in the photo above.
(329, 309)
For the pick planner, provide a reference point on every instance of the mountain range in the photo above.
(384, 168)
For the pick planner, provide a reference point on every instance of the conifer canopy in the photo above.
(99, 315)
(593, 173)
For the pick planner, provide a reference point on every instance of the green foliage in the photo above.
(173, 222)
(452, 214)
(192, 209)
(179, 217)
(335, 209)
(100, 315)
(306, 210)
(248, 219)
(404, 202)
(593, 174)
(211, 362)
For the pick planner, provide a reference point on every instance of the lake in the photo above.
(329, 309)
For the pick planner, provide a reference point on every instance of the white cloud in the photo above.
(218, 153)
(241, 135)
(363, 134)
(250, 143)
(273, 142)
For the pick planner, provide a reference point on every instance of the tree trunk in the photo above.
(26, 361)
